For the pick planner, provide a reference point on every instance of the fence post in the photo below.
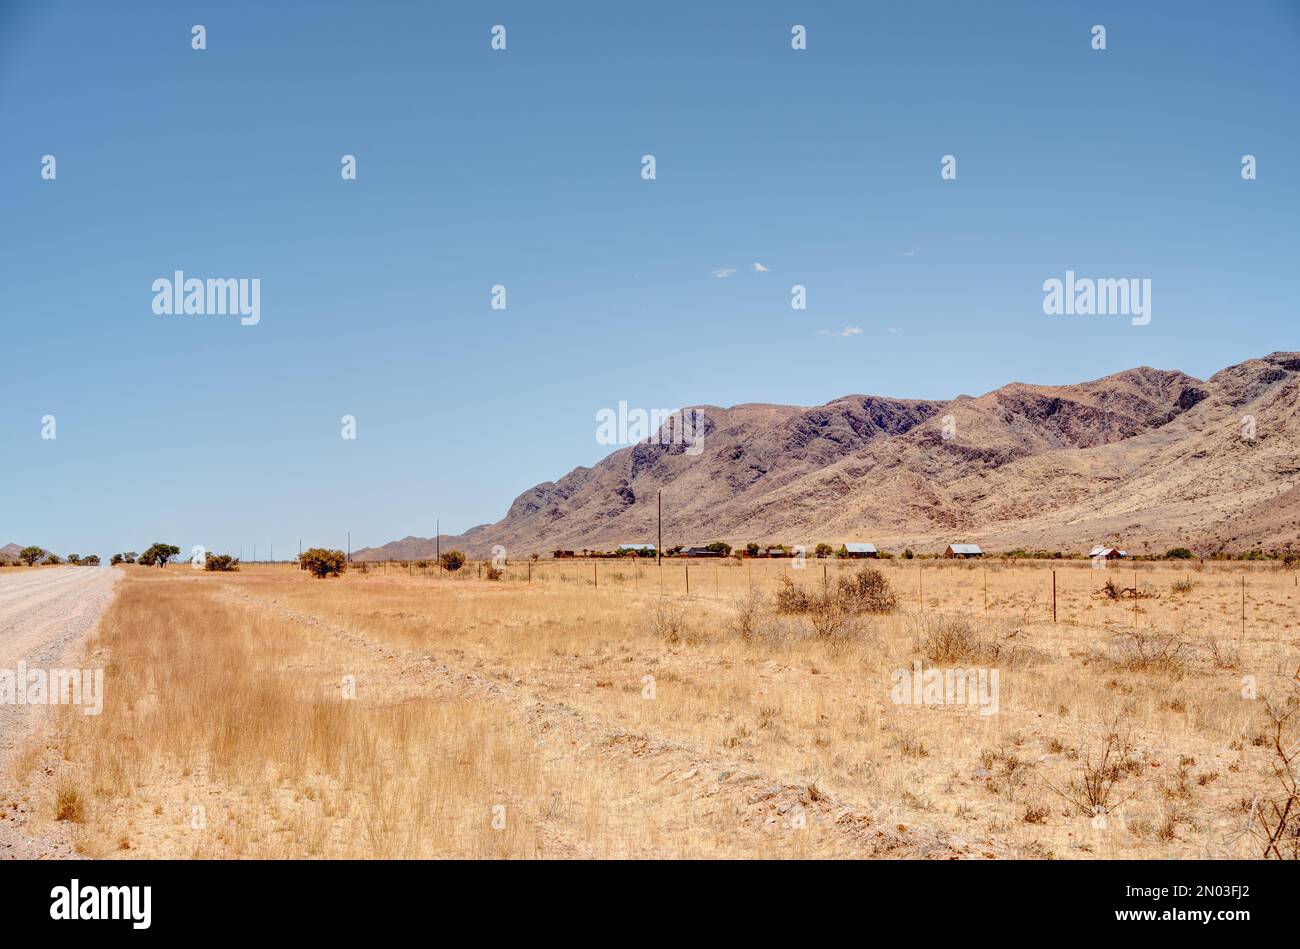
(1243, 607)
(688, 581)
(1053, 596)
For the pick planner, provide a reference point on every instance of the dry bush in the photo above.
(1182, 586)
(832, 611)
(1277, 820)
(953, 640)
(1034, 814)
(791, 598)
(1094, 790)
(1113, 590)
(493, 573)
(667, 621)
(749, 621)
(867, 591)
(1223, 656)
(1141, 650)
(832, 622)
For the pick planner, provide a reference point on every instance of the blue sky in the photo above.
(522, 168)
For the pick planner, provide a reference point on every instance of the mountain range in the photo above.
(1145, 459)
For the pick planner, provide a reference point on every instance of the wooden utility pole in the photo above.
(688, 581)
(659, 551)
(986, 589)
(1053, 596)
(530, 571)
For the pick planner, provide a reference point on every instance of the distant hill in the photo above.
(9, 552)
(1145, 458)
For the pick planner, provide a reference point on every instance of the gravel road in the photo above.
(44, 614)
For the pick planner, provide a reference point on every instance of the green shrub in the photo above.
(223, 563)
(321, 562)
(1179, 553)
(452, 561)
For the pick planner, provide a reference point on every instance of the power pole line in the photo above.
(659, 551)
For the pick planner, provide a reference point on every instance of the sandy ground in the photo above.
(44, 615)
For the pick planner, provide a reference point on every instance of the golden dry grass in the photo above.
(224, 692)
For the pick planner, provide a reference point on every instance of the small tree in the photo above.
(220, 562)
(54, 559)
(159, 554)
(323, 563)
(115, 560)
(90, 560)
(751, 549)
(452, 561)
(74, 559)
(1179, 553)
(130, 556)
(822, 551)
(30, 555)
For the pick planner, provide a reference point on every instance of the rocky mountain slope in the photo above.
(1145, 458)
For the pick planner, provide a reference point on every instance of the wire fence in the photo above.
(1231, 597)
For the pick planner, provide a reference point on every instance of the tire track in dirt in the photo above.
(764, 804)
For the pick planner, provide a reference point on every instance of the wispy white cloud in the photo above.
(847, 331)
(909, 253)
(760, 268)
(724, 272)
(892, 329)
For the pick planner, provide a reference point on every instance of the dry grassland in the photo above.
(585, 715)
